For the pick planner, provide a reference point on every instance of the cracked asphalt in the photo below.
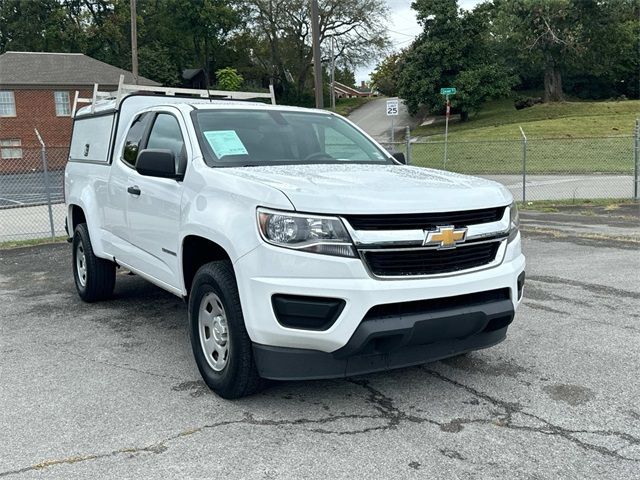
(110, 390)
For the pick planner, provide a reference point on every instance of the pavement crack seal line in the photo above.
(590, 287)
(118, 366)
(548, 428)
(161, 446)
(386, 410)
(384, 405)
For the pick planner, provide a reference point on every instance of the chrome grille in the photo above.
(393, 245)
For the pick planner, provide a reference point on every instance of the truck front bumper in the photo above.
(351, 345)
(393, 342)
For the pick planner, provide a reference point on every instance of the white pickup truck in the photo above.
(303, 248)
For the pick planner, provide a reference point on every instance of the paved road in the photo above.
(372, 118)
(110, 390)
(25, 223)
(30, 188)
(566, 187)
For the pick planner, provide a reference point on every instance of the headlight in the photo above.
(317, 234)
(514, 221)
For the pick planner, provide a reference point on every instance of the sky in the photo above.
(403, 28)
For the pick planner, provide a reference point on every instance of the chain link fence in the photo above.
(31, 193)
(32, 179)
(538, 169)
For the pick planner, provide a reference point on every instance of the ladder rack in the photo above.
(125, 89)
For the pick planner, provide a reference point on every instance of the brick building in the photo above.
(37, 91)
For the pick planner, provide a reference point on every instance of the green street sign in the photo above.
(448, 91)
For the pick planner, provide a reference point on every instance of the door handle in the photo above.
(135, 190)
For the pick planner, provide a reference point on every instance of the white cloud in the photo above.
(403, 28)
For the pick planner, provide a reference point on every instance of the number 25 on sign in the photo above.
(392, 107)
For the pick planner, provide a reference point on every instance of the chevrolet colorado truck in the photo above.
(303, 248)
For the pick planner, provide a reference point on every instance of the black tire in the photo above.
(99, 276)
(239, 375)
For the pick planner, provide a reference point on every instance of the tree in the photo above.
(229, 79)
(156, 62)
(545, 33)
(385, 76)
(454, 49)
(345, 76)
(38, 25)
(283, 36)
(608, 64)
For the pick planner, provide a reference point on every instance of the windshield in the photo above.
(271, 137)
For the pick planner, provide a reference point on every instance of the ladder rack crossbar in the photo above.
(125, 89)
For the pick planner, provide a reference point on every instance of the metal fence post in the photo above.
(636, 159)
(407, 140)
(47, 185)
(524, 166)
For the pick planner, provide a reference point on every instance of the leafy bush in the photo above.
(526, 102)
(229, 79)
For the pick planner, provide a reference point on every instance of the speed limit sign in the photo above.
(392, 107)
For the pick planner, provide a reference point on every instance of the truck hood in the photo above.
(363, 189)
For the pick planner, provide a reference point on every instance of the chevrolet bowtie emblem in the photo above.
(445, 236)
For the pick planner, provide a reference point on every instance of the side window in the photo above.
(134, 137)
(166, 135)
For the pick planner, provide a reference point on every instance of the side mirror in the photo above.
(399, 156)
(155, 162)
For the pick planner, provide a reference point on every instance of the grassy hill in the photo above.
(499, 120)
(567, 137)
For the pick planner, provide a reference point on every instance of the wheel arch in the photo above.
(197, 251)
(76, 216)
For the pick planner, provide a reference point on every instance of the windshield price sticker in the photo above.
(225, 143)
(392, 107)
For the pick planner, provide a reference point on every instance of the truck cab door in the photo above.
(116, 225)
(153, 206)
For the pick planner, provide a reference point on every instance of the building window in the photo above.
(11, 148)
(7, 104)
(62, 104)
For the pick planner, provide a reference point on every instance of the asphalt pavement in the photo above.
(31, 188)
(372, 118)
(110, 390)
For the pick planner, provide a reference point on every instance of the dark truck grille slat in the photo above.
(424, 221)
(429, 262)
(435, 304)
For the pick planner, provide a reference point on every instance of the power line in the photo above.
(396, 44)
(400, 33)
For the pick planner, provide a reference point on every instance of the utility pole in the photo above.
(333, 75)
(317, 60)
(134, 42)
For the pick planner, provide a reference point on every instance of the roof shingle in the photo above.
(46, 68)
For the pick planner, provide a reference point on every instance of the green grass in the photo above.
(567, 137)
(499, 120)
(344, 106)
(544, 156)
(31, 242)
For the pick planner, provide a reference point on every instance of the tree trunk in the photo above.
(464, 116)
(552, 84)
